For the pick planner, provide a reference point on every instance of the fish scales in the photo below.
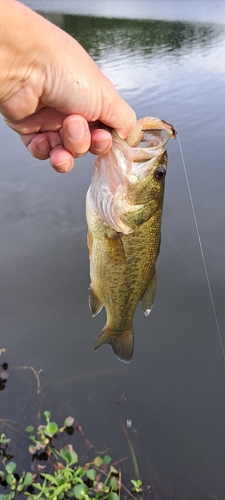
(122, 262)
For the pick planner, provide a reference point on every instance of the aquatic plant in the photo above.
(97, 479)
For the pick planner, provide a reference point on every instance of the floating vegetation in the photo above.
(67, 477)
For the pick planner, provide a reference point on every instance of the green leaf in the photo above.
(4, 439)
(27, 479)
(50, 429)
(69, 455)
(107, 459)
(136, 483)
(114, 483)
(10, 478)
(50, 478)
(29, 428)
(59, 490)
(80, 472)
(32, 438)
(98, 461)
(113, 470)
(68, 422)
(112, 496)
(10, 467)
(80, 491)
(91, 474)
(8, 496)
(38, 486)
(47, 415)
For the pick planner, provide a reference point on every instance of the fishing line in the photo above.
(202, 252)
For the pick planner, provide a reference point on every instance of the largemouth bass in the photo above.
(124, 211)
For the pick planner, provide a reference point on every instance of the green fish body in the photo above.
(124, 212)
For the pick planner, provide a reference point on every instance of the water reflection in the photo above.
(175, 384)
(3, 375)
(130, 36)
(204, 11)
(156, 61)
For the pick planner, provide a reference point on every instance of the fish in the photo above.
(124, 206)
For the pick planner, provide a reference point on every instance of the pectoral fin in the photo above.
(148, 297)
(137, 218)
(94, 303)
(122, 344)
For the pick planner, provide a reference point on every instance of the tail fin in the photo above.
(122, 344)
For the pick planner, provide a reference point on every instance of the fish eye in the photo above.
(160, 173)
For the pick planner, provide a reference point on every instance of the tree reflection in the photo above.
(3, 375)
(99, 35)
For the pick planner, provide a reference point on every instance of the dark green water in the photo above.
(174, 69)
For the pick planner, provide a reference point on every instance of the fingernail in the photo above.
(62, 167)
(43, 146)
(101, 145)
(76, 130)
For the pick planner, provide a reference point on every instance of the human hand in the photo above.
(52, 93)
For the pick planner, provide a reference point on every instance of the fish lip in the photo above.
(149, 123)
(166, 127)
(173, 130)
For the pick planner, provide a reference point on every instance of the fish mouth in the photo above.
(152, 144)
(153, 139)
(145, 143)
(150, 124)
(141, 158)
(149, 133)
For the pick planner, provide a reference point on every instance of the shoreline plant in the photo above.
(96, 479)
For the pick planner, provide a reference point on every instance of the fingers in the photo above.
(39, 146)
(78, 137)
(72, 131)
(127, 121)
(72, 140)
(43, 146)
(101, 141)
(61, 160)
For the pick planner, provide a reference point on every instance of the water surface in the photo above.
(170, 65)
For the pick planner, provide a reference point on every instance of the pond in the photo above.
(166, 58)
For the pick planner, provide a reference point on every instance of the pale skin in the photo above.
(52, 93)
